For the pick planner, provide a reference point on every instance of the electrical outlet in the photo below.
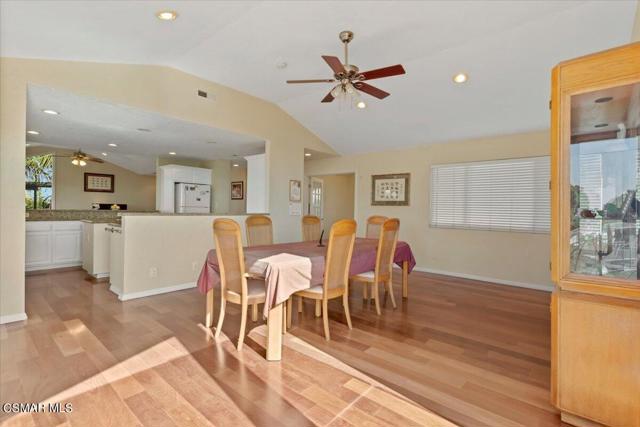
(153, 272)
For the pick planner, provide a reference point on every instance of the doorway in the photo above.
(332, 198)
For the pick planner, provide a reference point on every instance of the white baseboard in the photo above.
(150, 292)
(98, 275)
(547, 288)
(13, 318)
(52, 266)
(115, 290)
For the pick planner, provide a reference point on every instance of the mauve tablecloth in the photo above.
(363, 260)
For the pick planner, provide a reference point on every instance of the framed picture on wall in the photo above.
(99, 182)
(390, 190)
(237, 190)
(295, 190)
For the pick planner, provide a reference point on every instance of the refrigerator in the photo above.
(192, 198)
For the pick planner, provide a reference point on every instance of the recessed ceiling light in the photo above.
(144, 130)
(307, 154)
(167, 15)
(460, 78)
(113, 145)
(601, 125)
(603, 99)
(52, 112)
(33, 132)
(235, 165)
(281, 65)
(172, 153)
(104, 154)
(361, 105)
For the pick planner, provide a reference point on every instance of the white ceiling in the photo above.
(91, 125)
(507, 47)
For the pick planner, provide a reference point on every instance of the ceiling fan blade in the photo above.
(334, 63)
(328, 98)
(312, 81)
(94, 159)
(371, 90)
(379, 73)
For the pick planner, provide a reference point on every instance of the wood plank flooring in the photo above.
(475, 353)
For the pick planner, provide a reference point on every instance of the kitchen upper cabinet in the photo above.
(53, 244)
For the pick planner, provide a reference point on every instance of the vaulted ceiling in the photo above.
(506, 47)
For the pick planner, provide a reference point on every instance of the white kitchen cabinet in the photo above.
(53, 244)
(95, 249)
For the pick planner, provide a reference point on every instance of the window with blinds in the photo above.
(501, 195)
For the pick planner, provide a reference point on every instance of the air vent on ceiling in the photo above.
(203, 94)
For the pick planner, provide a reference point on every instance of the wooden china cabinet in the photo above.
(595, 238)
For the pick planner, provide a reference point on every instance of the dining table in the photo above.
(289, 267)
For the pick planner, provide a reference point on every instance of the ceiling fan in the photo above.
(80, 158)
(348, 76)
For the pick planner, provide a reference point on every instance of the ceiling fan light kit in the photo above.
(79, 158)
(349, 78)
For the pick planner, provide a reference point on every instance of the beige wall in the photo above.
(239, 173)
(137, 191)
(153, 88)
(635, 36)
(504, 256)
(338, 198)
(175, 246)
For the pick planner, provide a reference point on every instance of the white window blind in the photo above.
(502, 195)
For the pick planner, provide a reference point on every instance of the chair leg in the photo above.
(223, 304)
(389, 286)
(325, 318)
(289, 310)
(376, 297)
(365, 291)
(243, 324)
(345, 304)
(300, 304)
(318, 308)
(254, 312)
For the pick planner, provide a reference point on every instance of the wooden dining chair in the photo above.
(374, 223)
(387, 240)
(336, 273)
(259, 230)
(311, 228)
(236, 287)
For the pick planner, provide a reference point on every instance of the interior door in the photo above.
(316, 196)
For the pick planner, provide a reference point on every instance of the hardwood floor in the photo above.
(475, 353)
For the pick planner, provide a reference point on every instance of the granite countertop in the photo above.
(98, 216)
(125, 213)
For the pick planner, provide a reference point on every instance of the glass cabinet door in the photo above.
(604, 173)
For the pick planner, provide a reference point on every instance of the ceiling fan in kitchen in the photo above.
(79, 158)
(349, 77)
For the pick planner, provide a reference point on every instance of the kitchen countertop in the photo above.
(75, 215)
(125, 213)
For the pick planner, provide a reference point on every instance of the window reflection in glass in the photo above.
(605, 182)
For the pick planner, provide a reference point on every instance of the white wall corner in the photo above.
(490, 280)
(13, 318)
